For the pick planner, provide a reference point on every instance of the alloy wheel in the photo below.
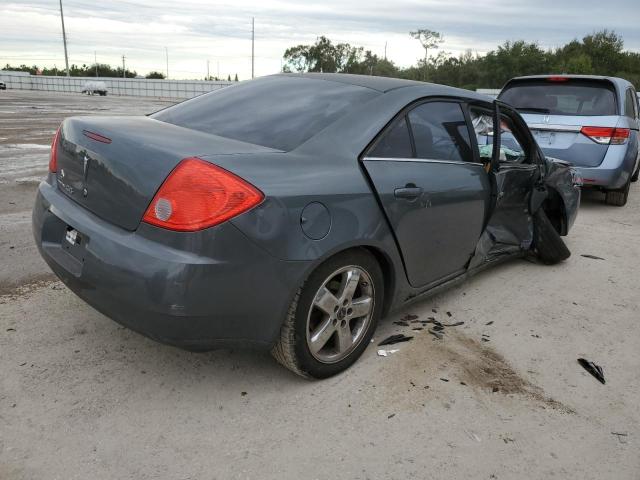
(340, 314)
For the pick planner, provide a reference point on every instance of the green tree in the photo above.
(429, 39)
(155, 75)
(323, 56)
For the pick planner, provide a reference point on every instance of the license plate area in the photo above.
(544, 137)
(74, 243)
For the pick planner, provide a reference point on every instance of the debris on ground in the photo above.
(436, 334)
(473, 436)
(593, 369)
(449, 314)
(489, 323)
(444, 379)
(391, 416)
(622, 437)
(457, 324)
(409, 317)
(401, 323)
(393, 339)
(592, 257)
(386, 353)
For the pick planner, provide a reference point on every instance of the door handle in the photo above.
(408, 193)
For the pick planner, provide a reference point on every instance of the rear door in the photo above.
(432, 187)
(558, 108)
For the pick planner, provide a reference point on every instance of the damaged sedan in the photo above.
(294, 211)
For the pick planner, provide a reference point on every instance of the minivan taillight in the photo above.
(198, 195)
(606, 135)
(53, 156)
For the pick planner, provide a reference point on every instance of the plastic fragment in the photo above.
(386, 353)
(393, 339)
(592, 257)
(438, 335)
(593, 369)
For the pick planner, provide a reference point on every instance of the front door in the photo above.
(510, 154)
(432, 187)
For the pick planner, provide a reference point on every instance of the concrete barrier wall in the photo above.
(138, 87)
(492, 92)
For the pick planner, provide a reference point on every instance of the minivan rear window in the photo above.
(561, 97)
(279, 112)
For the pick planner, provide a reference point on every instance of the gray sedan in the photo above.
(591, 122)
(294, 211)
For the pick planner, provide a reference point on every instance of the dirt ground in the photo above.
(81, 397)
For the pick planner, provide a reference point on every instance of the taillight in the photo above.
(606, 135)
(557, 79)
(53, 156)
(198, 195)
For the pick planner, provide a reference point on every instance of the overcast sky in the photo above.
(220, 30)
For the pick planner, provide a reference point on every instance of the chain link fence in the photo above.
(137, 87)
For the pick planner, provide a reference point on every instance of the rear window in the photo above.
(569, 97)
(276, 112)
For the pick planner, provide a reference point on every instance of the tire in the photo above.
(293, 348)
(547, 244)
(619, 197)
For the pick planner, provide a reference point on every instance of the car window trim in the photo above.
(634, 105)
(419, 160)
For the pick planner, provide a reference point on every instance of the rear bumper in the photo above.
(196, 291)
(613, 173)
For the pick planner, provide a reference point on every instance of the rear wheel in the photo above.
(332, 317)
(547, 243)
(618, 197)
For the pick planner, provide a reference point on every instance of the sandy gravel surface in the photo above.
(81, 397)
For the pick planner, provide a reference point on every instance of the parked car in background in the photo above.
(3, 86)
(590, 121)
(94, 88)
(293, 211)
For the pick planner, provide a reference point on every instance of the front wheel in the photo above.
(333, 316)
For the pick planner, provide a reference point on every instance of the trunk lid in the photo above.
(559, 136)
(113, 166)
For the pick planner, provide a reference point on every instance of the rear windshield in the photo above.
(569, 97)
(277, 112)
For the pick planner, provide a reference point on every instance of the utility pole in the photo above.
(166, 51)
(95, 61)
(123, 70)
(64, 40)
(385, 50)
(253, 38)
(208, 76)
(218, 69)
